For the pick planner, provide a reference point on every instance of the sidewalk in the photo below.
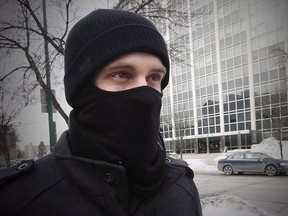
(209, 159)
(203, 163)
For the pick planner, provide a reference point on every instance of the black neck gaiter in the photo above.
(121, 126)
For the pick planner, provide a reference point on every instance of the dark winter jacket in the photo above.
(61, 184)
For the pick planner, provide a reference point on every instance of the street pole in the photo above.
(47, 69)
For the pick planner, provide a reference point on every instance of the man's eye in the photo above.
(120, 75)
(155, 77)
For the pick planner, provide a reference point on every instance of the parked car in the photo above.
(252, 162)
(175, 156)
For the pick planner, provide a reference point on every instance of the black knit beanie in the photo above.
(102, 36)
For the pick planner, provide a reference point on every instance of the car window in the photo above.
(237, 156)
(251, 156)
(264, 155)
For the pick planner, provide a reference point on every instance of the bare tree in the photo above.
(179, 127)
(42, 151)
(24, 34)
(12, 102)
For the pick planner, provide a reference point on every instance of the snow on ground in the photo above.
(226, 205)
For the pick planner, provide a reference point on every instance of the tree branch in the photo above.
(45, 87)
(26, 4)
(13, 71)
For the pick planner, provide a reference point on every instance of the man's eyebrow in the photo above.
(118, 65)
(159, 70)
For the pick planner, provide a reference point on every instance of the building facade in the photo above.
(228, 81)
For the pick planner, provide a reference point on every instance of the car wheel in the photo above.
(228, 170)
(271, 170)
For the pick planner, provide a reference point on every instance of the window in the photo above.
(225, 107)
(256, 78)
(264, 76)
(232, 106)
(229, 41)
(236, 39)
(212, 129)
(237, 156)
(273, 74)
(240, 104)
(248, 116)
(209, 89)
(233, 127)
(231, 84)
(266, 124)
(246, 80)
(230, 63)
(282, 73)
(263, 53)
(233, 118)
(237, 50)
(255, 55)
(251, 156)
(244, 59)
(237, 60)
(211, 110)
(247, 104)
(241, 126)
(227, 20)
(229, 52)
(240, 117)
(238, 82)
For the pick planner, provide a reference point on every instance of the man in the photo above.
(112, 159)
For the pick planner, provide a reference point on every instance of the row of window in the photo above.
(267, 100)
(234, 84)
(234, 73)
(272, 123)
(266, 76)
(207, 90)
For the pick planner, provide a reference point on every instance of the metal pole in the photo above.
(47, 68)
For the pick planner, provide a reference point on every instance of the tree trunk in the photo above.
(4, 147)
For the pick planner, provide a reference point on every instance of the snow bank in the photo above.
(201, 165)
(226, 205)
(271, 147)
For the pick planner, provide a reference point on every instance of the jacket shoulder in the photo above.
(184, 195)
(180, 164)
(18, 189)
(15, 171)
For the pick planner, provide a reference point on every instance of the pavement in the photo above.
(209, 159)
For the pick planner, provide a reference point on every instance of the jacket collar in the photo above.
(101, 179)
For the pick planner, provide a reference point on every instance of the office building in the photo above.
(228, 82)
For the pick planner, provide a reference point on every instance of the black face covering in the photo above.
(121, 126)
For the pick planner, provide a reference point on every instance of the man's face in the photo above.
(130, 71)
